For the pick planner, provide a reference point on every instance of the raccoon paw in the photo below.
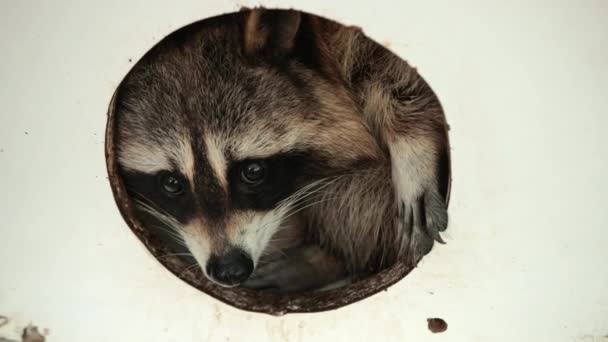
(302, 268)
(422, 220)
(283, 276)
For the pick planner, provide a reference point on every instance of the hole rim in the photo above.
(241, 298)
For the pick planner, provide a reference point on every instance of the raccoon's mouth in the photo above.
(230, 269)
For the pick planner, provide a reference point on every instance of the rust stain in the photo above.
(437, 325)
(31, 334)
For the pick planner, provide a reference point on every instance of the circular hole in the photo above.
(279, 161)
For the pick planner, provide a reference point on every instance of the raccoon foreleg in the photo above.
(302, 268)
(422, 213)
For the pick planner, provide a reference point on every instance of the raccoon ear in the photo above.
(271, 33)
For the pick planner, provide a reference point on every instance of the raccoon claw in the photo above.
(436, 214)
(423, 219)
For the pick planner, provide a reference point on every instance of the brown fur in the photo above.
(263, 82)
(394, 101)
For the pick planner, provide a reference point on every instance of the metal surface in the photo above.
(523, 85)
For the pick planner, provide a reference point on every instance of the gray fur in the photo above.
(214, 82)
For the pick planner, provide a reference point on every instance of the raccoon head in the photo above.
(225, 124)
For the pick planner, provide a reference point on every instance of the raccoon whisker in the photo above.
(301, 200)
(328, 181)
(290, 211)
(301, 195)
(357, 172)
(306, 201)
(304, 192)
(273, 241)
(281, 226)
(300, 191)
(148, 201)
(173, 254)
(298, 209)
(160, 214)
(310, 188)
(272, 249)
(144, 202)
(262, 262)
(281, 239)
(172, 234)
(166, 219)
(167, 223)
(164, 226)
(168, 226)
(298, 195)
(194, 265)
(336, 196)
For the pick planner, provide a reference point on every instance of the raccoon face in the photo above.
(225, 218)
(225, 126)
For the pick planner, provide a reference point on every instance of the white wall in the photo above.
(524, 87)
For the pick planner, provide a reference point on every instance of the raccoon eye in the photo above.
(171, 184)
(254, 173)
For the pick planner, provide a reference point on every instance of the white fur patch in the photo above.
(256, 232)
(151, 158)
(261, 143)
(217, 159)
(143, 158)
(184, 156)
(413, 166)
(197, 242)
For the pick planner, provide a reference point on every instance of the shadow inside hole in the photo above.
(167, 244)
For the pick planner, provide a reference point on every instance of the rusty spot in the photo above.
(31, 334)
(437, 325)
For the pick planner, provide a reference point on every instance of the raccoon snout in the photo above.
(230, 269)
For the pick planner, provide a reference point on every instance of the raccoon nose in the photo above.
(230, 269)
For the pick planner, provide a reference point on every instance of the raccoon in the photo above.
(281, 150)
